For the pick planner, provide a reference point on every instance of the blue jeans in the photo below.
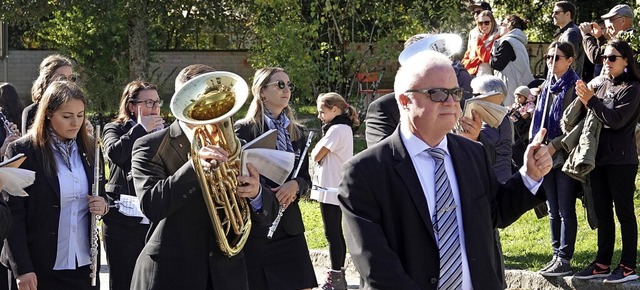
(561, 193)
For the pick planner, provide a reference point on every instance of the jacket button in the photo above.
(184, 196)
(210, 254)
(434, 281)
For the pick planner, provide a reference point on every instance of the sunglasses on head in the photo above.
(549, 57)
(476, 12)
(611, 57)
(486, 23)
(281, 85)
(439, 94)
(150, 103)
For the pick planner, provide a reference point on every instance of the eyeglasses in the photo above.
(439, 94)
(150, 103)
(557, 12)
(610, 58)
(486, 23)
(504, 24)
(556, 59)
(281, 85)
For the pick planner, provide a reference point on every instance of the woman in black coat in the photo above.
(281, 262)
(124, 230)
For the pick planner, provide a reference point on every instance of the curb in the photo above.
(516, 279)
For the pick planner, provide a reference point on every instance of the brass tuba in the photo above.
(208, 101)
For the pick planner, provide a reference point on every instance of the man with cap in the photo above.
(619, 19)
(564, 12)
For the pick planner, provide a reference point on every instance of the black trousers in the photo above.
(332, 220)
(615, 185)
(123, 244)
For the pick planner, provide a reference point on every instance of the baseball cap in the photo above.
(620, 9)
(479, 4)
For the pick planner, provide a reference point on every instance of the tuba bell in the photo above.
(208, 101)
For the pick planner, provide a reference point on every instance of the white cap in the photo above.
(446, 43)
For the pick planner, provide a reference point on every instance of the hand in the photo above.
(590, 28)
(471, 127)
(537, 158)
(286, 193)
(150, 122)
(89, 127)
(552, 150)
(27, 281)
(584, 92)
(8, 140)
(210, 155)
(249, 186)
(97, 205)
(14, 129)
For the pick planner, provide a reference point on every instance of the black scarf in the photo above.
(340, 119)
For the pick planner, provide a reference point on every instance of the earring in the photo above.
(625, 69)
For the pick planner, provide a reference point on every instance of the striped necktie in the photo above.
(446, 227)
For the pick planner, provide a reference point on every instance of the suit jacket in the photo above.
(32, 243)
(181, 250)
(391, 238)
(118, 139)
(383, 116)
(291, 221)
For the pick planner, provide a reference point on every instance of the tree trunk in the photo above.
(138, 47)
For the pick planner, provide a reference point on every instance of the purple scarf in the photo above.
(554, 116)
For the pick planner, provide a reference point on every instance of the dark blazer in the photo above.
(32, 243)
(118, 139)
(390, 235)
(28, 114)
(383, 117)
(291, 221)
(181, 250)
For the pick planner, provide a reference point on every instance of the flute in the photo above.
(97, 175)
(274, 225)
(7, 125)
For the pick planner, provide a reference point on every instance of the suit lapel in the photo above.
(466, 188)
(409, 177)
(181, 143)
(51, 179)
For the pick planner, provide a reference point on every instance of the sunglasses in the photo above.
(556, 59)
(557, 12)
(439, 94)
(611, 57)
(485, 23)
(281, 85)
(150, 103)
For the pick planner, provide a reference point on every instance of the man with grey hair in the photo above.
(408, 221)
(619, 19)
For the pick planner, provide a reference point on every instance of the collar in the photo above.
(563, 29)
(187, 131)
(416, 146)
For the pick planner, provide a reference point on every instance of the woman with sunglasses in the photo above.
(562, 190)
(614, 99)
(476, 58)
(50, 239)
(509, 56)
(281, 262)
(124, 229)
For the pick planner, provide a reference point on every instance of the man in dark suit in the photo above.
(181, 250)
(390, 213)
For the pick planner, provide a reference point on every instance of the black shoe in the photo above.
(559, 268)
(592, 271)
(621, 274)
(549, 264)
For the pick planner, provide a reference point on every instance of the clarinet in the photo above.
(7, 125)
(274, 225)
(97, 176)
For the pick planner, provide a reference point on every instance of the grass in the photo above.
(526, 244)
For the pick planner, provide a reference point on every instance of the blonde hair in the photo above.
(330, 100)
(47, 68)
(58, 93)
(255, 113)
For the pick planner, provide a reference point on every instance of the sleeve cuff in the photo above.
(531, 184)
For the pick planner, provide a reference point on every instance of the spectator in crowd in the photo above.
(520, 115)
(476, 8)
(476, 58)
(564, 12)
(619, 19)
(562, 190)
(613, 100)
(509, 57)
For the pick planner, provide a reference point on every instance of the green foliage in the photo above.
(324, 43)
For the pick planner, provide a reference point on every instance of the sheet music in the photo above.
(130, 206)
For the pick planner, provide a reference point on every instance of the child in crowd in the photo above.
(520, 114)
(334, 148)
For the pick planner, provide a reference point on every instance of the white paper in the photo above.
(130, 206)
(15, 180)
(271, 163)
(488, 107)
